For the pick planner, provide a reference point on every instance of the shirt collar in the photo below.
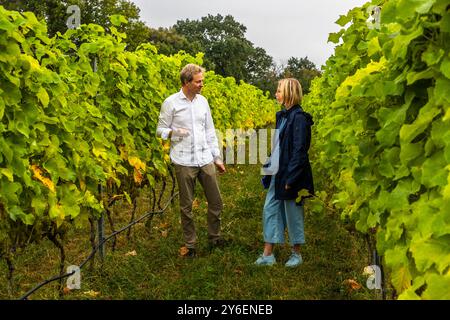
(183, 96)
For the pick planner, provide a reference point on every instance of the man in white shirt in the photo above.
(185, 118)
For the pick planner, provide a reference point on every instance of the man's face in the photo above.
(196, 85)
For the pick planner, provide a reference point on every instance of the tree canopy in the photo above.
(227, 51)
(302, 69)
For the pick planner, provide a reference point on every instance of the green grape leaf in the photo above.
(401, 278)
(445, 23)
(373, 46)
(7, 172)
(39, 206)
(437, 287)
(43, 96)
(343, 20)
(6, 149)
(93, 110)
(410, 151)
(445, 67)
(117, 19)
(427, 113)
(433, 171)
(432, 55)
(412, 77)
(127, 196)
(441, 91)
(446, 191)
(431, 251)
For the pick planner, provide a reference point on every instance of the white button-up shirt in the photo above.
(200, 147)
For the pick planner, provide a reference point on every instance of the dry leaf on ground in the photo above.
(131, 253)
(163, 225)
(91, 293)
(183, 251)
(352, 284)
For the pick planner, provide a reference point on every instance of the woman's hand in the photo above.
(287, 187)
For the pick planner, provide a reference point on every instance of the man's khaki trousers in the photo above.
(186, 178)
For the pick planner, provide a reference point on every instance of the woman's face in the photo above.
(279, 95)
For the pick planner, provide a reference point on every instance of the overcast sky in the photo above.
(284, 28)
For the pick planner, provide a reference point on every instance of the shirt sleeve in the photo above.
(211, 136)
(165, 121)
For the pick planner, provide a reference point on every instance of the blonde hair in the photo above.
(188, 72)
(291, 90)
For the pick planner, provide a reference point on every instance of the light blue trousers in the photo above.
(279, 215)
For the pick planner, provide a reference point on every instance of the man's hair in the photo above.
(291, 90)
(188, 72)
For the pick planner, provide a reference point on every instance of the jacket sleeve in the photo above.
(299, 158)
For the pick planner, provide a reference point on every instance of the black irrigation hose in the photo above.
(148, 214)
(26, 295)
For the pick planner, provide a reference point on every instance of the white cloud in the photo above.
(284, 28)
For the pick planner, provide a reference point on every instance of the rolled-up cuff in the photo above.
(165, 133)
(217, 159)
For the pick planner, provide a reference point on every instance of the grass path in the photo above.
(150, 266)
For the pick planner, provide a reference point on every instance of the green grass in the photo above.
(332, 255)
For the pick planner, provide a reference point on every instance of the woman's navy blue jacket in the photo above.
(294, 167)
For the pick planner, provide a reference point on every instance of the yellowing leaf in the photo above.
(82, 184)
(359, 76)
(32, 63)
(8, 173)
(136, 163)
(45, 181)
(166, 146)
(137, 176)
(99, 152)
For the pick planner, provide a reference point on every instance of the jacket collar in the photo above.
(285, 113)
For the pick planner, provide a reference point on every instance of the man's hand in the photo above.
(180, 132)
(220, 166)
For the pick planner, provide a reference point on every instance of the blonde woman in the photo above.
(293, 173)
